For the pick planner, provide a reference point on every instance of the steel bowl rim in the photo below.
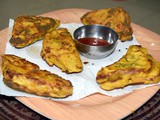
(114, 41)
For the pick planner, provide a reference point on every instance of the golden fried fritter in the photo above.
(29, 29)
(114, 18)
(136, 67)
(59, 49)
(23, 75)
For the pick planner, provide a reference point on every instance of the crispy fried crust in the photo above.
(115, 18)
(29, 29)
(136, 67)
(23, 75)
(59, 49)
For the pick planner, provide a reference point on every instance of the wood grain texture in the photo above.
(97, 106)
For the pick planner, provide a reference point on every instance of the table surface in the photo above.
(95, 103)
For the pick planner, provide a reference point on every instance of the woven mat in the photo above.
(12, 109)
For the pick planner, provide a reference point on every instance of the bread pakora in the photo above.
(59, 49)
(22, 75)
(114, 18)
(135, 67)
(29, 29)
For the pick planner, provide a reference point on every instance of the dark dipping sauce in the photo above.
(93, 41)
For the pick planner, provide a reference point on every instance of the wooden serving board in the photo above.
(97, 106)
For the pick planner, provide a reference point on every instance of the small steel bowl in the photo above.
(95, 31)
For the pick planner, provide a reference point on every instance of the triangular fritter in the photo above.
(29, 29)
(23, 75)
(136, 67)
(59, 49)
(115, 18)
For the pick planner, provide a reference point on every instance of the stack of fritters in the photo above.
(23, 75)
(114, 18)
(136, 67)
(29, 29)
(59, 49)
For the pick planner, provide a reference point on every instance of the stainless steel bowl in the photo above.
(95, 31)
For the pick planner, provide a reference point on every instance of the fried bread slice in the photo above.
(22, 75)
(59, 49)
(28, 29)
(135, 67)
(115, 18)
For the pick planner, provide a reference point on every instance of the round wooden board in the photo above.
(97, 106)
